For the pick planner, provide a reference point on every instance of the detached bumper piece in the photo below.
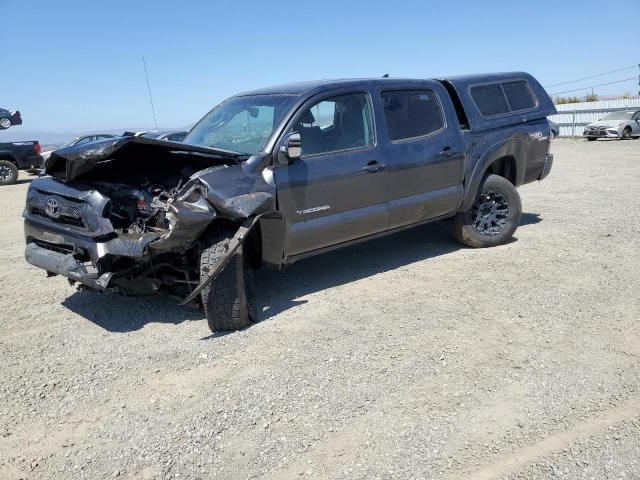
(234, 245)
(60, 263)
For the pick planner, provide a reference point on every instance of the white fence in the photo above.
(572, 117)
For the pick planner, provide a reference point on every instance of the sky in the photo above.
(76, 66)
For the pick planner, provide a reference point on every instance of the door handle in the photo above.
(373, 167)
(447, 152)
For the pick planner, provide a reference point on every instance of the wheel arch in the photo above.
(507, 159)
(264, 243)
(8, 156)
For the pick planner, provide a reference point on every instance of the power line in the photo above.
(592, 76)
(593, 86)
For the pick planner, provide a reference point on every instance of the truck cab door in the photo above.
(424, 153)
(335, 192)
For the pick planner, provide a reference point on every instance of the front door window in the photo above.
(338, 123)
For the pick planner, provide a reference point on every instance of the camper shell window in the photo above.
(503, 98)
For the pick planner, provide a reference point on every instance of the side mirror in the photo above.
(293, 149)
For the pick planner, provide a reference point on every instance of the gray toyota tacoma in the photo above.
(276, 175)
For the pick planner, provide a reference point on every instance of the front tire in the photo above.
(494, 216)
(592, 139)
(225, 299)
(8, 172)
(5, 123)
(626, 133)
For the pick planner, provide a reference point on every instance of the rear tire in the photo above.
(494, 216)
(225, 299)
(8, 172)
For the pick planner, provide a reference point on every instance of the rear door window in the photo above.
(518, 95)
(490, 99)
(412, 113)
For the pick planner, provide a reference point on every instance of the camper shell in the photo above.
(515, 97)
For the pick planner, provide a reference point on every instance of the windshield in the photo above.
(618, 116)
(241, 124)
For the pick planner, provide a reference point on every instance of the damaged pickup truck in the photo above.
(280, 174)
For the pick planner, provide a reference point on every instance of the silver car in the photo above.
(623, 125)
(169, 135)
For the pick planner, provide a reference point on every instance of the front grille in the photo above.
(70, 212)
(62, 219)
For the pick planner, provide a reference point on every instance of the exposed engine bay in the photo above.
(143, 203)
(136, 210)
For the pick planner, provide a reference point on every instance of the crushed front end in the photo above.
(124, 216)
(116, 237)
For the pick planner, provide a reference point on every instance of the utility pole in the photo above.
(153, 110)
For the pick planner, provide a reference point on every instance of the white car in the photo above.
(623, 125)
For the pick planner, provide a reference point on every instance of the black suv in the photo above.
(276, 175)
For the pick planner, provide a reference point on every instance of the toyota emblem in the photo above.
(52, 207)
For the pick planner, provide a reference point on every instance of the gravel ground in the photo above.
(407, 357)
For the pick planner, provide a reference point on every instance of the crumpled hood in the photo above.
(71, 162)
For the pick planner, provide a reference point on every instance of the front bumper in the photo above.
(548, 163)
(66, 264)
(607, 132)
(63, 251)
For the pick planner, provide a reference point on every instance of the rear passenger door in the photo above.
(423, 152)
(336, 191)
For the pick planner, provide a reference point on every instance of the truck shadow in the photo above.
(119, 314)
(278, 291)
(530, 219)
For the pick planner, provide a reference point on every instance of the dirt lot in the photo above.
(408, 357)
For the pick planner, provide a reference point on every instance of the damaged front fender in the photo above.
(188, 215)
(245, 205)
(238, 192)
